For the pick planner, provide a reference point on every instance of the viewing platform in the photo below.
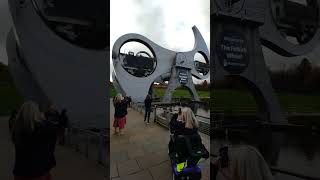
(142, 152)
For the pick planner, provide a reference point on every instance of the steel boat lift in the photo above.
(58, 53)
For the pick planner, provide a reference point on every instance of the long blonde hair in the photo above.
(248, 164)
(24, 123)
(189, 118)
(118, 98)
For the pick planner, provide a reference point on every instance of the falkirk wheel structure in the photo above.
(54, 59)
(239, 28)
(134, 74)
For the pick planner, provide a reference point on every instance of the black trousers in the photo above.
(147, 114)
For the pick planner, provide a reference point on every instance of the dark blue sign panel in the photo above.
(183, 76)
(233, 52)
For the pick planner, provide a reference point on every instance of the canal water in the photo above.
(297, 152)
(202, 112)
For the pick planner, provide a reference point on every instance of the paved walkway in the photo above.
(70, 165)
(142, 153)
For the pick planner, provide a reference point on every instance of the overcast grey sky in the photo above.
(166, 22)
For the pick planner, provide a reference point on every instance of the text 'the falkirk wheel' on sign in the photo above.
(134, 74)
(240, 27)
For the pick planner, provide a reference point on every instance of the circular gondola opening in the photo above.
(296, 20)
(201, 64)
(82, 23)
(137, 59)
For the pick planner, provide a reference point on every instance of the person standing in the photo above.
(34, 139)
(52, 114)
(120, 111)
(13, 115)
(64, 122)
(176, 122)
(147, 108)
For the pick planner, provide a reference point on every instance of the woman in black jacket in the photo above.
(147, 108)
(120, 111)
(34, 139)
(176, 122)
(183, 123)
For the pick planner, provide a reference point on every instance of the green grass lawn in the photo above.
(9, 99)
(182, 93)
(222, 100)
(294, 102)
(242, 101)
(235, 100)
(177, 93)
(231, 100)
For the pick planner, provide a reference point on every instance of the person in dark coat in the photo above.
(120, 111)
(13, 115)
(34, 138)
(183, 124)
(52, 114)
(147, 108)
(64, 123)
(186, 144)
(176, 122)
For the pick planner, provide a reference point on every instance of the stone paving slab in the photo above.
(118, 157)
(113, 170)
(152, 159)
(142, 175)
(147, 145)
(136, 152)
(72, 165)
(128, 167)
(160, 172)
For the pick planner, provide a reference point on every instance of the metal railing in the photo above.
(94, 145)
(164, 118)
(217, 120)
